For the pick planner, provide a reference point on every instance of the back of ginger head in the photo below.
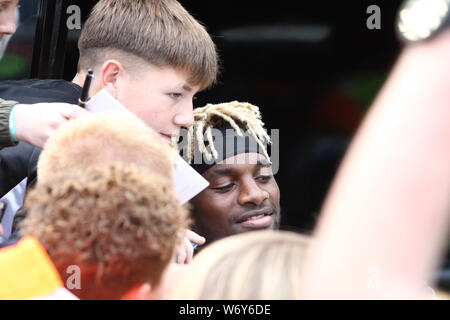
(105, 201)
(117, 223)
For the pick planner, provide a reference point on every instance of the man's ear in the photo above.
(110, 75)
(140, 292)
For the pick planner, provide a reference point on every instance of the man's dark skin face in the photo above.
(242, 196)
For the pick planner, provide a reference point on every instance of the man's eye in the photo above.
(226, 188)
(263, 178)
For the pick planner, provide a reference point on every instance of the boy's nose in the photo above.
(7, 27)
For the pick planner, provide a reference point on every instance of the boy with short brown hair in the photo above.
(162, 33)
(151, 55)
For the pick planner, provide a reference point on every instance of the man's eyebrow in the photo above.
(221, 172)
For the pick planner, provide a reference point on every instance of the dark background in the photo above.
(313, 68)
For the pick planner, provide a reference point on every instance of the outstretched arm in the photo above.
(384, 222)
(35, 123)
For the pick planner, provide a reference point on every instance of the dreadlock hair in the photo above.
(238, 115)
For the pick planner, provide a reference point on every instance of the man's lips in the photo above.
(257, 219)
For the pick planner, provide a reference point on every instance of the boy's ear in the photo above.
(140, 292)
(110, 74)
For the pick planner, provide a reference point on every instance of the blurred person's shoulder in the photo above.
(40, 90)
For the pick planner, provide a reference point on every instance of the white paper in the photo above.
(188, 182)
(103, 102)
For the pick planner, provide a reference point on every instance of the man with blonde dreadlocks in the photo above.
(227, 145)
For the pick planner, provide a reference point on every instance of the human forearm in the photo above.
(387, 210)
(35, 123)
(5, 111)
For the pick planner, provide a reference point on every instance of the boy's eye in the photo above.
(175, 95)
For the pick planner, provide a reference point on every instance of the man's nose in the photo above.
(185, 118)
(251, 193)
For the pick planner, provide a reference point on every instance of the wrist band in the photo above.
(12, 125)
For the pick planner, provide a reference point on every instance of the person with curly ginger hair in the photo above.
(117, 223)
(114, 214)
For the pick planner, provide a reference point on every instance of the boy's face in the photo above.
(7, 25)
(161, 97)
(242, 196)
